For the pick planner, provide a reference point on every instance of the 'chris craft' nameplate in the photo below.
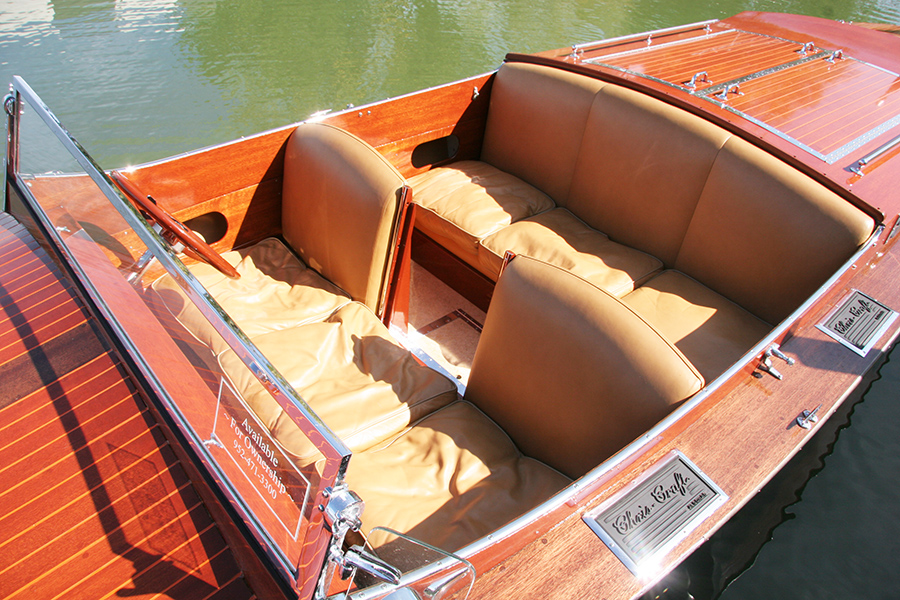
(656, 511)
(858, 322)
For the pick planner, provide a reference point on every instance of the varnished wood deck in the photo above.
(93, 502)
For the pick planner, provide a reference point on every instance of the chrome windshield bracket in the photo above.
(342, 515)
(357, 557)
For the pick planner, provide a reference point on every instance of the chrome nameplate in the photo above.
(655, 512)
(858, 322)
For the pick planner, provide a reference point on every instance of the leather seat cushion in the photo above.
(275, 290)
(449, 480)
(470, 200)
(710, 330)
(560, 238)
(348, 369)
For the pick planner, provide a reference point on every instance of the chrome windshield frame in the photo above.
(334, 450)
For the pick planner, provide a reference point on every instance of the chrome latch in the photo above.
(807, 417)
(766, 364)
(807, 48)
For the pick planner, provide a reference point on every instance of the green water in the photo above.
(137, 80)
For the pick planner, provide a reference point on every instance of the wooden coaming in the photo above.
(397, 127)
(94, 502)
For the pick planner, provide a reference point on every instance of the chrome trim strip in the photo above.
(636, 37)
(658, 46)
(739, 80)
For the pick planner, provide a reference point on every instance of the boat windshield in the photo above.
(117, 256)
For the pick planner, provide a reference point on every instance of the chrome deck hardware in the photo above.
(858, 167)
(9, 105)
(729, 89)
(701, 77)
(808, 417)
(835, 56)
(356, 557)
(807, 48)
(766, 364)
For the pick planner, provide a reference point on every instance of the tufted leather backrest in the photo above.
(570, 372)
(340, 204)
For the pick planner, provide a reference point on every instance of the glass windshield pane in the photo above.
(110, 247)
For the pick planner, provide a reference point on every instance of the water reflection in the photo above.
(142, 79)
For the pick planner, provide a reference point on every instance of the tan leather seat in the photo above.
(340, 209)
(570, 372)
(462, 204)
(560, 238)
(351, 372)
(340, 206)
(766, 236)
(452, 478)
(275, 290)
(710, 330)
(533, 132)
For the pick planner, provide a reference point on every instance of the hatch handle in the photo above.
(729, 89)
(701, 77)
(807, 48)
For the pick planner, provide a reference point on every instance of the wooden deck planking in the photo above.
(848, 99)
(823, 105)
(94, 502)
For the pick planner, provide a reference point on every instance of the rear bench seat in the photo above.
(708, 238)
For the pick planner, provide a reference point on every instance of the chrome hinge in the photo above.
(766, 364)
(9, 104)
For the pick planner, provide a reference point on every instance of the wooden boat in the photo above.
(682, 242)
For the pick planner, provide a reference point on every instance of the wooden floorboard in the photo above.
(93, 501)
